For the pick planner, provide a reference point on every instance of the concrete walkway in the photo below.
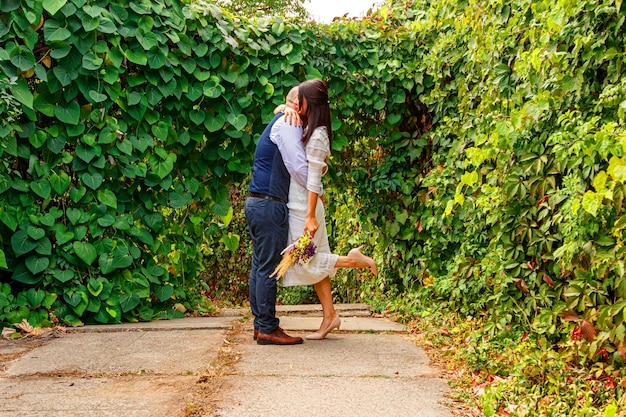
(212, 367)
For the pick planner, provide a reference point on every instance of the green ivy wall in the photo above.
(134, 119)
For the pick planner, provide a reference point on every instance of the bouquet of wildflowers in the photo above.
(299, 252)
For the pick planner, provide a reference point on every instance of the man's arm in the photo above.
(288, 140)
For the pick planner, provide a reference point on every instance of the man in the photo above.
(279, 156)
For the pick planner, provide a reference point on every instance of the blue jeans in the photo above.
(268, 223)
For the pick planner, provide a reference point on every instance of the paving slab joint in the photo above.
(352, 309)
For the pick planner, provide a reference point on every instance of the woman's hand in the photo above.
(311, 225)
(292, 117)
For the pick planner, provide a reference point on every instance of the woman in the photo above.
(306, 211)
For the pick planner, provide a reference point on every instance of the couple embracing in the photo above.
(286, 201)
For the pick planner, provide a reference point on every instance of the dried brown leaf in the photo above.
(569, 315)
(24, 326)
(587, 331)
(548, 280)
(7, 332)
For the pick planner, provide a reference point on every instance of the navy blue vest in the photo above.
(269, 175)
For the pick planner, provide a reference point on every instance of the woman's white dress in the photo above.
(323, 263)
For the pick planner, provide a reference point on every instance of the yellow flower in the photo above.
(298, 252)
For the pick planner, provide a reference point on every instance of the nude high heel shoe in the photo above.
(319, 335)
(357, 255)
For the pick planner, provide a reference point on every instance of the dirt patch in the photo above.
(211, 384)
(14, 349)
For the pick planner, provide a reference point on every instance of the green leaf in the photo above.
(161, 167)
(93, 181)
(3, 260)
(469, 178)
(129, 301)
(157, 59)
(94, 304)
(399, 97)
(85, 251)
(68, 113)
(231, 241)
(53, 32)
(97, 97)
(393, 119)
(44, 247)
(64, 76)
(83, 298)
(339, 142)
(286, 48)
(163, 292)
(154, 221)
(35, 233)
(160, 130)
(8, 218)
(142, 142)
(106, 221)
(22, 243)
(37, 264)
(48, 300)
(38, 139)
(60, 182)
(105, 262)
(215, 123)
(197, 116)
(92, 62)
(90, 23)
(148, 40)
(5, 182)
(86, 153)
(41, 188)
(63, 275)
(107, 26)
(108, 198)
(189, 65)
(57, 144)
(125, 146)
(23, 275)
(610, 410)
(47, 220)
(22, 93)
(77, 193)
(221, 208)
(61, 50)
(591, 202)
(63, 237)
(238, 121)
(122, 257)
(134, 98)
(179, 199)
(72, 321)
(35, 297)
(80, 232)
(9, 5)
(95, 285)
(137, 56)
(53, 6)
(23, 58)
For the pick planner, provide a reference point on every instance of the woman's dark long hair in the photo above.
(318, 108)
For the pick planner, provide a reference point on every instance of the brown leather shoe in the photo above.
(277, 337)
(256, 334)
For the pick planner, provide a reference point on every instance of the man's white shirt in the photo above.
(288, 139)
